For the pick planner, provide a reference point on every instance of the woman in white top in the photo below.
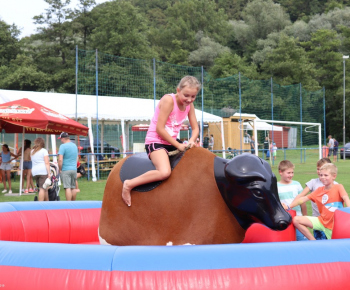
(40, 167)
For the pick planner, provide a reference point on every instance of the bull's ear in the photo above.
(245, 168)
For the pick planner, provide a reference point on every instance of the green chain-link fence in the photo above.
(107, 75)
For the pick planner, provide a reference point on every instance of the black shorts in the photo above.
(157, 146)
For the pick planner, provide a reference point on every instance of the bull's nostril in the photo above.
(282, 225)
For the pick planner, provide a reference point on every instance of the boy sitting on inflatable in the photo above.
(328, 198)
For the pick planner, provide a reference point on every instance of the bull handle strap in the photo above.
(172, 153)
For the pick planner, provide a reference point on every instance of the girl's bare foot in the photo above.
(126, 195)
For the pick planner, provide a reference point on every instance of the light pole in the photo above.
(344, 58)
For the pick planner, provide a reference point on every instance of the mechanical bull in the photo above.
(206, 200)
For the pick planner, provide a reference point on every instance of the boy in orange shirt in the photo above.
(328, 198)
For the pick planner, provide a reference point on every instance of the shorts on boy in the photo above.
(68, 178)
(40, 180)
(319, 235)
(317, 225)
(6, 166)
(158, 146)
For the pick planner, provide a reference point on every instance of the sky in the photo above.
(21, 13)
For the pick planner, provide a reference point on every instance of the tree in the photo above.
(207, 52)
(23, 74)
(229, 64)
(9, 45)
(323, 50)
(83, 22)
(120, 30)
(233, 9)
(288, 64)
(184, 20)
(260, 18)
(300, 9)
(55, 32)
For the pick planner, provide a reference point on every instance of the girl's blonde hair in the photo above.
(189, 81)
(39, 143)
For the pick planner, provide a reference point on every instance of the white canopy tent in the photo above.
(127, 111)
(260, 126)
(252, 122)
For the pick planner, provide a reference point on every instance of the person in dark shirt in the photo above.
(206, 142)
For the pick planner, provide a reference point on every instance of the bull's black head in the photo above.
(250, 190)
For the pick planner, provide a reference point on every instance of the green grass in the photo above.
(88, 191)
(303, 172)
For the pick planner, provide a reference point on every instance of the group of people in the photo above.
(208, 142)
(325, 194)
(333, 145)
(270, 147)
(36, 165)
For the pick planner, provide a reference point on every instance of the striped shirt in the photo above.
(288, 192)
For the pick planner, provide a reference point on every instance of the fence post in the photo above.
(98, 167)
(240, 110)
(272, 139)
(76, 83)
(301, 126)
(202, 124)
(324, 117)
(154, 83)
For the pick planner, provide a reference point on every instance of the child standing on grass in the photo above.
(27, 166)
(328, 198)
(274, 150)
(311, 186)
(289, 189)
(6, 166)
(171, 111)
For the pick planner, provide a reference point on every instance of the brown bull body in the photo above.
(186, 208)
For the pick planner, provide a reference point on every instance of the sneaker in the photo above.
(26, 191)
(22, 190)
(4, 191)
(10, 191)
(31, 190)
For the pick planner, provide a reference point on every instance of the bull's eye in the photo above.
(257, 193)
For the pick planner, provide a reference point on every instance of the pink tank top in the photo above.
(172, 126)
